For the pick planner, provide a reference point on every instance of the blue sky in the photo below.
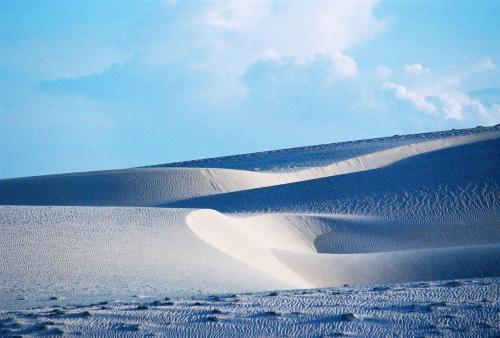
(109, 84)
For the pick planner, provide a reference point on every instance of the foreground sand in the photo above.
(465, 308)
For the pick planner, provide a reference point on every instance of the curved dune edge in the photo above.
(285, 246)
(231, 180)
(250, 244)
(384, 158)
(151, 187)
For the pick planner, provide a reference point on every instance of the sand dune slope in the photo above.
(94, 254)
(157, 186)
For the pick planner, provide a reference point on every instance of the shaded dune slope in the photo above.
(452, 182)
(127, 187)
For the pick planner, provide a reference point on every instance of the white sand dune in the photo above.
(406, 208)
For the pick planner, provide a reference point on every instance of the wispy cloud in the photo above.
(383, 72)
(485, 64)
(419, 101)
(236, 15)
(415, 69)
(442, 92)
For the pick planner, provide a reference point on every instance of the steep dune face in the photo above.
(317, 251)
(252, 240)
(407, 208)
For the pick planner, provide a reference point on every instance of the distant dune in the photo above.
(390, 210)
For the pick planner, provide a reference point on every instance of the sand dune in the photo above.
(156, 186)
(405, 208)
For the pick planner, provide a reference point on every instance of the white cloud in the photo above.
(236, 15)
(383, 72)
(269, 54)
(344, 66)
(452, 107)
(452, 103)
(495, 112)
(243, 32)
(485, 64)
(418, 100)
(455, 104)
(443, 93)
(415, 69)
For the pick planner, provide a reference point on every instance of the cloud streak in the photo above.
(416, 69)
(442, 93)
(419, 101)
